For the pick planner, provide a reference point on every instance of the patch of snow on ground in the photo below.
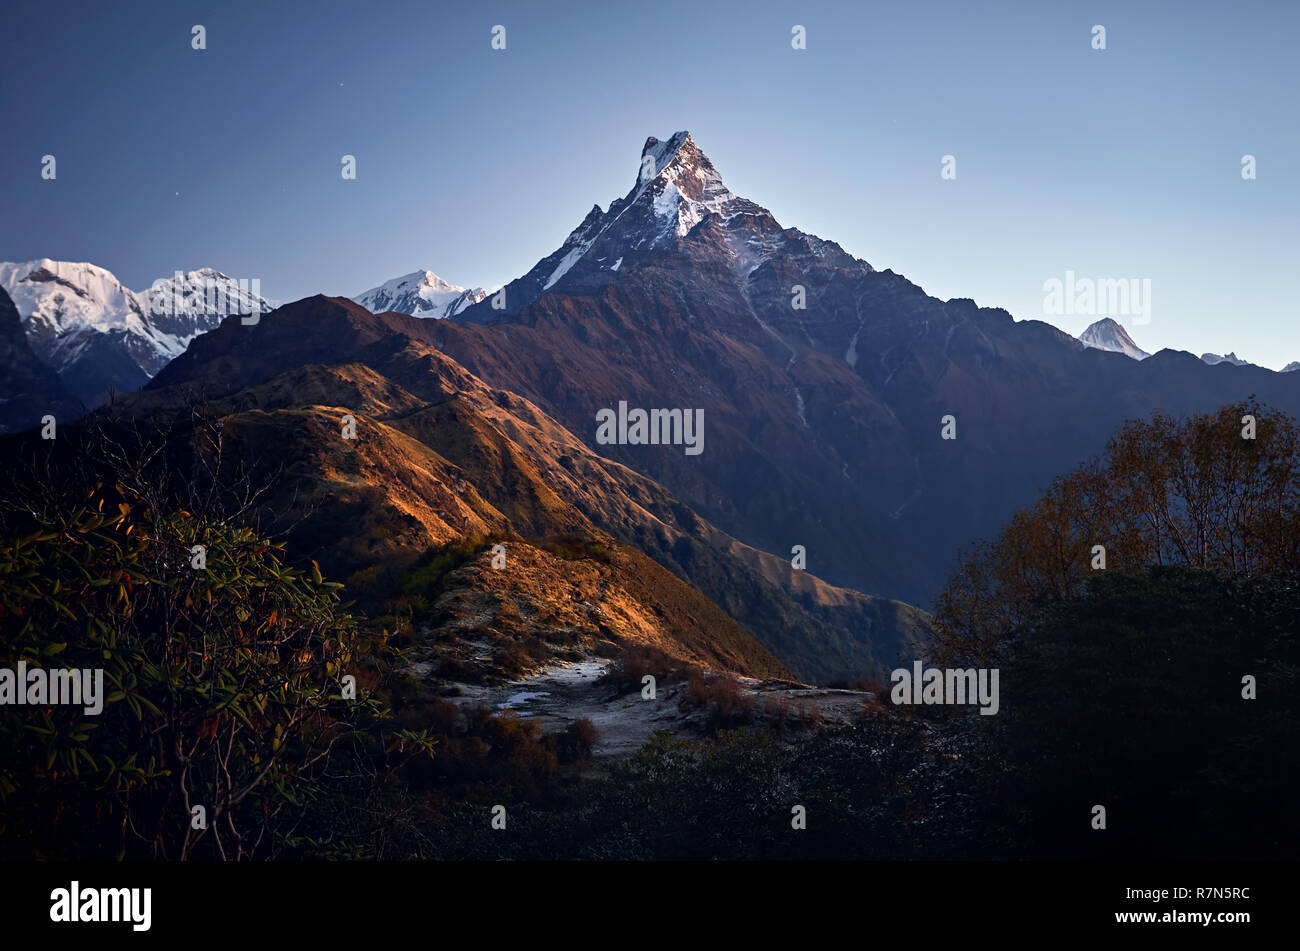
(521, 698)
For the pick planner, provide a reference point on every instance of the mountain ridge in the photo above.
(814, 628)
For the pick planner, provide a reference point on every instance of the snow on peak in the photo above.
(420, 294)
(678, 204)
(56, 297)
(1291, 367)
(66, 305)
(193, 302)
(1108, 335)
(662, 153)
(676, 187)
(1214, 359)
(685, 185)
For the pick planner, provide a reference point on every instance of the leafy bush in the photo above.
(223, 687)
(1130, 696)
(721, 695)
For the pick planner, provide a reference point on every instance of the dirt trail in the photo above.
(562, 693)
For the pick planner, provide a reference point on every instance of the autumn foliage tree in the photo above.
(1218, 491)
(1160, 685)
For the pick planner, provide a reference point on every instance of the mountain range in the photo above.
(824, 382)
(441, 455)
(100, 337)
(1108, 335)
(1214, 359)
(858, 432)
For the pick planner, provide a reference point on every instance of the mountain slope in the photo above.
(32, 390)
(535, 473)
(823, 381)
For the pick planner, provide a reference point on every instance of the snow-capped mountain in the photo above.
(1291, 367)
(686, 293)
(677, 189)
(1213, 359)
(420, 294)
(1106, 334)
(98, 334)
(194, 302)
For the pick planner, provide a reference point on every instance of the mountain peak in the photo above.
(420, 294)
(1107, 334)
(663, 152)
(431, 280)
(678, 166)
(677, 188)
(1214, 359)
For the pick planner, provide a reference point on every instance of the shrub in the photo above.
(222, 687)
(635, 661)
(574, 743)
(722, 697)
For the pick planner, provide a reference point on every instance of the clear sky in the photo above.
(475, 163)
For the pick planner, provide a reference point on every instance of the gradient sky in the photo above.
(475, 163)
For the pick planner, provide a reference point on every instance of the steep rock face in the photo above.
(32, 390)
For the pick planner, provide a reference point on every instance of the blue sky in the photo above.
(475, 163)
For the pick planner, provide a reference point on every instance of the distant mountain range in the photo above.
(100, 336)
(1213, 359)
(1108, 335)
